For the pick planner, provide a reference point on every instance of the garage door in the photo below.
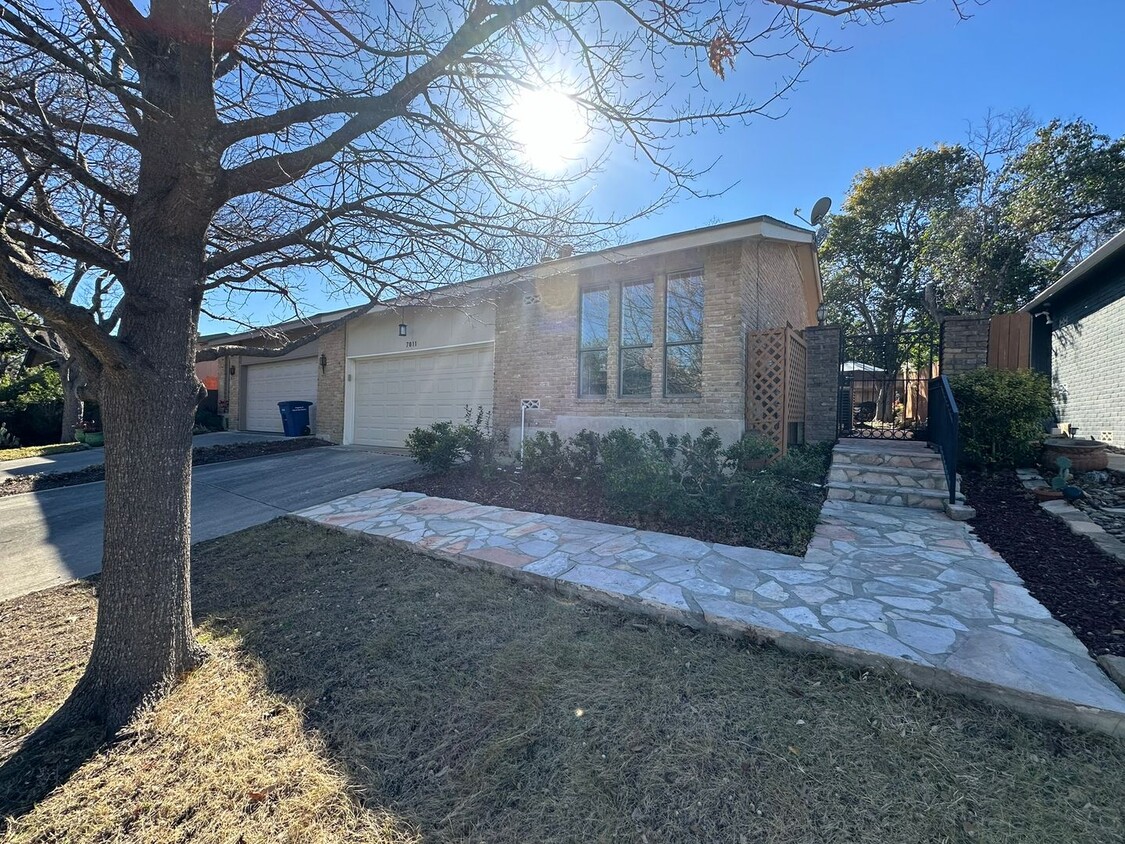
(396, 394)
(269, 383)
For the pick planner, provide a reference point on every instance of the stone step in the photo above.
(893, 496)
(914, 458)
(906, 477)
(881, 443)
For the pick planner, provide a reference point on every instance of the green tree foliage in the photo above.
(977, 227)
(873, 255)
(31, 403)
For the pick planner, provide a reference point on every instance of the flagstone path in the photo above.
(891, 586)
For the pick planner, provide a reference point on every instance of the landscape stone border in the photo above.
(1078, 522)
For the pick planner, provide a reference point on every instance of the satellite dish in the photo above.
(820, 210)
(821, 236)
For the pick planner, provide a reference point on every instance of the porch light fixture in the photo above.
(821, 314)
(232, 370)
(402, 329)
(323, 362)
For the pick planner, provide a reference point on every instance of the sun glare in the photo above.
(549, 127)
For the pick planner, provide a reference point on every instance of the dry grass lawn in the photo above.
(357, 692)
(39, 450)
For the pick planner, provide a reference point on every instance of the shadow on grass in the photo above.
(45, 760)
(59, 622)
(478, 709)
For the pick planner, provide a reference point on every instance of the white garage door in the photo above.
(398, 393)
(269, 383)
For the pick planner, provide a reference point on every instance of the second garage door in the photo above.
(398, 393)
(269, 383)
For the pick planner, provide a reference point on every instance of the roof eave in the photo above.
(1079, 271)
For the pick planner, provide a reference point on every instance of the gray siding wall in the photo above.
(1088, 366)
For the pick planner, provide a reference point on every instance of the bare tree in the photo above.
(372, 142)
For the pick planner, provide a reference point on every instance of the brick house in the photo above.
(1078, 337)
(652, 334)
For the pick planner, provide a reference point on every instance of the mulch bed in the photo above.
(576, 500)
(199, 457)
(1081, 585)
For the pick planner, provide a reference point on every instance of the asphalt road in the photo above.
(55, 536)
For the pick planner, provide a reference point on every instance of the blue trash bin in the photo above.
(294, 417)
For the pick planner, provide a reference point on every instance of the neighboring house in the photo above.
(651, 334)
(1078, 337)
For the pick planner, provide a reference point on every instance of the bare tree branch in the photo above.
(216, 352)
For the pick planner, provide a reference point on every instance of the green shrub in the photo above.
(750, 453)
(31, 405)
(699, 464)
(638, 477)
(478, 441)
(443, 445)
(805, 463)
(682, 481)
(438, 447)
(763, 508)
(1002, 416)
(545, 454)
(207, 420)
(7, 439)
(583, 454)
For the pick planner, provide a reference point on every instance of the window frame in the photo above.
(622, 348)
(583, 350)
(695, 273)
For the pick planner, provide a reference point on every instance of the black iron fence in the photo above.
(885, 384)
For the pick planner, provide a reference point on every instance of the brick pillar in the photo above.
(964, 344)
(822, 382)
(330, 387)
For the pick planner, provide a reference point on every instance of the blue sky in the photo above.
(915, 81)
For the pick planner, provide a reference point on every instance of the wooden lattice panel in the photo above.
(796, 372)
(765, 384)
(776, 367)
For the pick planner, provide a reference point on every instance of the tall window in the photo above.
(683, 335)
(636, 339)
(593, 342)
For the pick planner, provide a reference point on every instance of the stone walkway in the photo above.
(879, 585)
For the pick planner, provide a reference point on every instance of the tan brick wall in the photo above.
(773, 294)
(230, 390)
(537, 342)
(330, 387)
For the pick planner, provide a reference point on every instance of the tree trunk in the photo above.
(73, 407)
(144, 640)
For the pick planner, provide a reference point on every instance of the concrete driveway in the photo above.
(52, 537)
(72, 461)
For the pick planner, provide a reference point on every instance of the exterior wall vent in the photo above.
(530, 299)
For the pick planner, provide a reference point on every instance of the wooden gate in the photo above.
(776, 370)
(1009, 341)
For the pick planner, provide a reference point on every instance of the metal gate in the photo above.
(884, 384)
